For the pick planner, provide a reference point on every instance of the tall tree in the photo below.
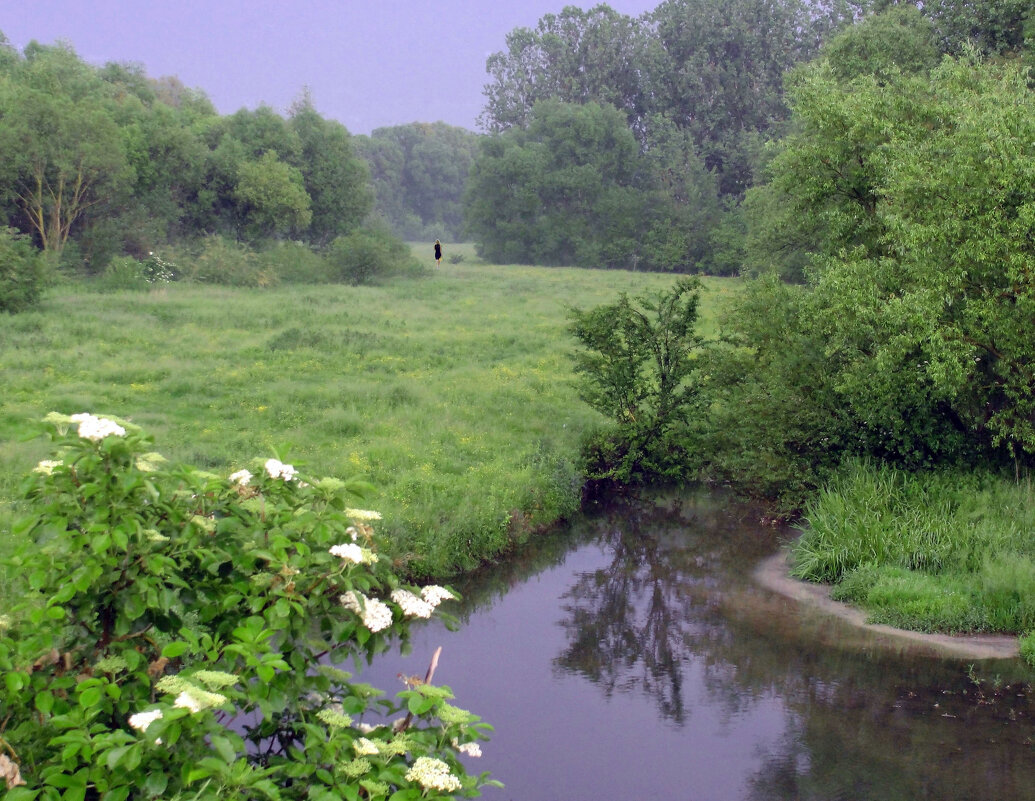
(576, 56)
(419, 173)
(335, 177)
(61, 141)
(562, 191)
(715, 68)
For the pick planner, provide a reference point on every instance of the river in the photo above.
(632, 656)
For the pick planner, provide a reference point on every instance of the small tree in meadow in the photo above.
(181, 636)
(21, 271)
(635, 367)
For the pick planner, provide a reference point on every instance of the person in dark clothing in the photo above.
(438, 253)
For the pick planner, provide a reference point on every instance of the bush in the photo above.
(22, 271)
(219, 260)
(122, 273)
(365, 255)
(179, 635)
(635, 366)
(295, 263)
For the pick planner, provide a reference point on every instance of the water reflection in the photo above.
(633, 657)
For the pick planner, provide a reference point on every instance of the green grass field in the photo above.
(451, 393)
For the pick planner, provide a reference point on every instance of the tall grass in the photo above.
(450, 393)
(948, 551)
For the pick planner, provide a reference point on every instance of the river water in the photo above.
(634, 657)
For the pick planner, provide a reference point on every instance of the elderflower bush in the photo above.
(181, 629)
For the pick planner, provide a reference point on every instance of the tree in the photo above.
(715, 68)
(419, 173)
(61, 142)
(335, 178)
(920, 286)
(562, 191)
(899, 40)
(271, 198)
(635, 366)
(576, 57)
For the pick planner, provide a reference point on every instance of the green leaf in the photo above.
(155, 783)
(44, 701)
(56, 612)
(116, 755)
(91, 696)
(175, 649)
(224, 748)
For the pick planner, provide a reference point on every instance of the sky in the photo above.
(367, 63)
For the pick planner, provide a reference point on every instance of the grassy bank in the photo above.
(948, 551)
(450, 393)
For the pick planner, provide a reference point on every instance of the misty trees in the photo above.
(575, 56)
(418, 173)
(715, 68)
(561, 191)
(334, 176)
(109, 161)
(61, 147)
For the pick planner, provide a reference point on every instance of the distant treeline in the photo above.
(101, 163)
(633, 143)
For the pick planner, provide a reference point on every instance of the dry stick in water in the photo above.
(427, 680)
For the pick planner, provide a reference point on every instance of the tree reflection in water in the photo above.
(635, 624)
(863, 722)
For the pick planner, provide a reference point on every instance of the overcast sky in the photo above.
(368, 63)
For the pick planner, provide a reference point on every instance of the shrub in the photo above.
(180, 632)
(223, 261)
(295, 263)
(22, 271)
(122, 273)
(365, 255)
(635, 367)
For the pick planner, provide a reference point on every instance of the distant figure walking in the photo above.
(438, 253)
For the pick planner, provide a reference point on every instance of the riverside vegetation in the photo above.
(183, 634)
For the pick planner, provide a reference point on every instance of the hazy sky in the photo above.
(368, 63)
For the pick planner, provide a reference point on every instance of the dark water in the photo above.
(634, 658)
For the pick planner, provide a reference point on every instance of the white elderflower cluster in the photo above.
(433, 774)
(141, 720)
(277, 469)
(96, 428)
(335, 717)
(351, 552)
(362, 514)
(46, 467)
(241, 478)
(435, 595)
(471, 749)
(411, 605)
(190, 697)
(376, 615)
(365, 747)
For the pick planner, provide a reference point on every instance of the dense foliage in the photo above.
(419, 172)
(182, 632)
(98, 164)
(635, 366)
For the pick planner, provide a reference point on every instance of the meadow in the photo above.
(451, 393)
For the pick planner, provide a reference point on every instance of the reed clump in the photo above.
(948, 551)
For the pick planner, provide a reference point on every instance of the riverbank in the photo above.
(773, 573)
